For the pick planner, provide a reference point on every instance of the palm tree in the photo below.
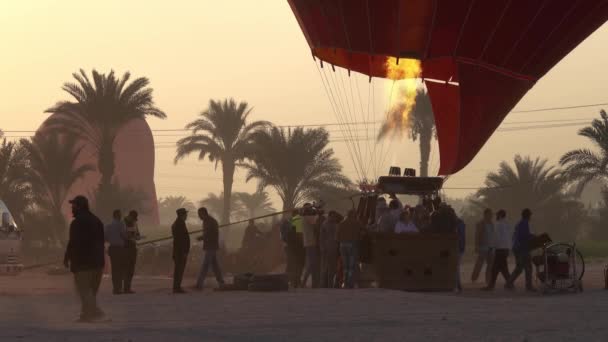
(295, 163)
(53, 170)
(215, 205)
(337, 198)
(115, 196)
(256, 204)
(223, 134)
(422, 128)
(584, 165)
(99, 109)
(531, 183)
(15, 189)
(168, 205)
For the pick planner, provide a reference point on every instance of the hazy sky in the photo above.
(196, 50)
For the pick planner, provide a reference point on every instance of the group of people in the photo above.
(494, 239)
(317, 244)
(121, 235)
(324, 248)
(181, 249)
(85, 252)
(431, 216)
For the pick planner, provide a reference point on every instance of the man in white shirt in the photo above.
(500, 242)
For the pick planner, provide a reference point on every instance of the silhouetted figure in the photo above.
(312, 265)
(501, 243)
(521, 249)
(211, 243)
(483, 233)
(461, 231)
(84, 256)
(297, 248)
(116, 235)
(348, 235)
(388, 220)
(329, 250)
(251, 236)
(131, 249)
(288, 236)
(181, 248)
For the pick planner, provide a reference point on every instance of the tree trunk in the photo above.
(228, 174)
(106, 162)
(425, 152)
(289, 201)
(106, 166)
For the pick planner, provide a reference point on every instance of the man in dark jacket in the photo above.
(84, 256)
(211, 243)
(521, 250)
(181, 248)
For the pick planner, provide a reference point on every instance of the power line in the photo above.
(559, 108)
(329, 124)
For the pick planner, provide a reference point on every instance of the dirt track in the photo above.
(36, 307)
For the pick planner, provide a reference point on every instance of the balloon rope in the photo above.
(336, 109)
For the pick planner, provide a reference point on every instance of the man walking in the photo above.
(521, 250)
(501, 243)
(348, 235)
(211, 243)
(132, 236)
(84, 256)
(115, 235)
(483, 233)
(181, 248)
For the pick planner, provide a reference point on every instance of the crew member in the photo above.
(211, 243)
(84, 256)
(115, 235)
(181, 248)
(132, 237)
(521, 249)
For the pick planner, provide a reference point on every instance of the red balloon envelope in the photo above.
(491, 52)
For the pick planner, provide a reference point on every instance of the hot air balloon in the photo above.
(478, 58)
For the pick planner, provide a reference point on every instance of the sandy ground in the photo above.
(37, 307)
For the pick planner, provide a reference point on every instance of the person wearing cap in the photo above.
(116, 235)
(181, 248)
(211, 244)
(84, 255)
(132, 236)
